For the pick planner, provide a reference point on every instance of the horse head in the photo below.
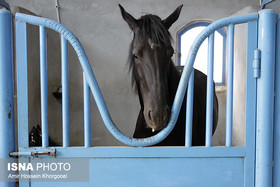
(150, 59)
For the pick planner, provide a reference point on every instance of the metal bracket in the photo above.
(257, 63)
(34, 152)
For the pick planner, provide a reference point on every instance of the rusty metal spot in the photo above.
(9, 115)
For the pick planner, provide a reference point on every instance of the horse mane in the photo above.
(150, 27)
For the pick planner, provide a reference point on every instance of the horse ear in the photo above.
(131, 21)
(173, 17)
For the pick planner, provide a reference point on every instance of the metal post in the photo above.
(44, 87)
(65, 91)
(87, 127)
(7, 136)
(189, 111)
(210, 88)
(230, 69)
(276, 170)
(251, 99)
(265, 99)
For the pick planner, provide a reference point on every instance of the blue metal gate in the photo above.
(255, 164)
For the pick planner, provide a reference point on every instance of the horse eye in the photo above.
(171, 51)
(136, 57)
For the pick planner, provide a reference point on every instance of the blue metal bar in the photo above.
(251, 97)
(7, 126)
(110, 152)
(265, 99)
(22, 84)
(276, 169)
(229, 113)
(22, 87)
(95, 88)
(87, 127)
(210, 89)
(44, 86)
(189, 111)
(65, 91)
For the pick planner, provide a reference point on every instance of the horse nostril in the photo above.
(150, 115)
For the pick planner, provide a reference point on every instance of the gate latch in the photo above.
(37, 152)
(257, 63)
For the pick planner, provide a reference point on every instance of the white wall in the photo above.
(106, 38)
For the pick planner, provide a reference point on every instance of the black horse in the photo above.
(156, 78)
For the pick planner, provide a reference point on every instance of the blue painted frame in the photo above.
(199, 24)
(255, 159)
(182, 157)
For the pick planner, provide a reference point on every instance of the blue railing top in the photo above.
(95, 88)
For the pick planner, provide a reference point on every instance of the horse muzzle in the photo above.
(157, 119)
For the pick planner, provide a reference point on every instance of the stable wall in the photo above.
(106, 38)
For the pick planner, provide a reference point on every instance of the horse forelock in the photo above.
(151, 28)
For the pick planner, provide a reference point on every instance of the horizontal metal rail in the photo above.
(140, 152)
(91, 80)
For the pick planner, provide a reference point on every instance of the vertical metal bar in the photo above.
(189, 111)
(230, 47)
(265, 99)
(7, 134)
(276, 169)
(22, 87)
(210, 88)
(251, 98)
(44, 86)
(87, 128)
(65, 91)
(22, 84)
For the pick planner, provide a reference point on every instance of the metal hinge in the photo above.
(257, 63)
(34, 152)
